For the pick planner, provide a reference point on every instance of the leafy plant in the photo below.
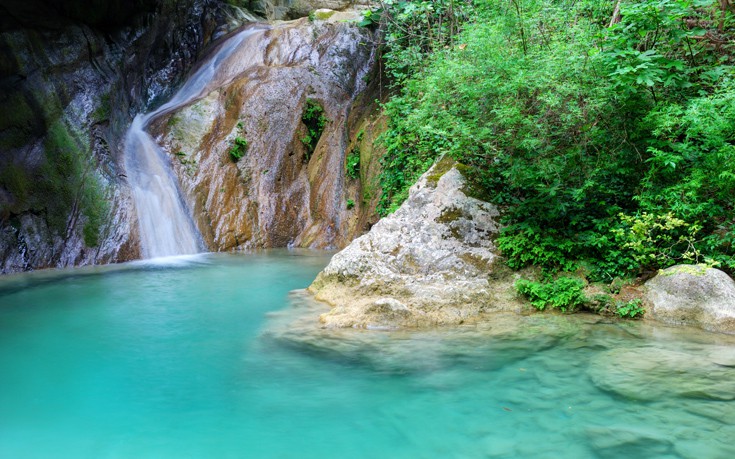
(238, 149)
(658, 241)
(350, 204)
(352, 167)
(315, 121)
(564, 293)
(569, 116)
(631, 309)
(371, 18)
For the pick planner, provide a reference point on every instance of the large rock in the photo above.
(280, 193)
(693, 295)
(430, 263)
(71, 76)
(301, 8)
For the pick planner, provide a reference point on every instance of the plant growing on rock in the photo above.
(631, 309)
(352, 167)
(238, 149)
(315, 121)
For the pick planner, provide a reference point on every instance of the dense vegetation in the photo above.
(315, 121)
(605, 129)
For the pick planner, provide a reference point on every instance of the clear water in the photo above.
(211, 357)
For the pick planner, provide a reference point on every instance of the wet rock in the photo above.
(616, 442)
(71, 77)
(487, 345)
(280, 192)
(434, 257)
(652, 374)
(301, 8)
(693, 295)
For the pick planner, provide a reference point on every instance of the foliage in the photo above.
(606, 304)
(657, 241)
(352, 167)
(607, 143)
(631, 309)
(315, 121)
(239, 148)
(564, 293)
(416, 29)
(371, 18)
(350, 204)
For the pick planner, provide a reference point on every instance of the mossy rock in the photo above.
(323, 14)
(444, 165)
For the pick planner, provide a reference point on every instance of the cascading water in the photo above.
(165, 224)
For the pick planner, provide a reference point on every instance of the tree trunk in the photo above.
(616, 14)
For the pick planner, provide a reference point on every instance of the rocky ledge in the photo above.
(432, 262)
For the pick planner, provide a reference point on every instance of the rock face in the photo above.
(294, 9)
(430, 263)
(281, 192)
(71, 76)
(301, 8)
(693, 295)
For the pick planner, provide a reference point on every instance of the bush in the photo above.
(238, 149)
(315, 121)
(352, 167)
(564, 293)
(631, 309)
(608, 146)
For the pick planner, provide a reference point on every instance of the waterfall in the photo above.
(165, 223)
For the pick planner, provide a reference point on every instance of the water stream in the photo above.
(164, 221)
(210, 356)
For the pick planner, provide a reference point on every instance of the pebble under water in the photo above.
(210, 356)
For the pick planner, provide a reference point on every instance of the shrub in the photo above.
(315, 121)
(352, 167)
(658, 241)
(238, 149)
(564, 293)
(588, 135)
(631, 309)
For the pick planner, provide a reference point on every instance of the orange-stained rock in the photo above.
(276, 195)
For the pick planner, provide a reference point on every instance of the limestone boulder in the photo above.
(301, 8)
(693, 295)
(432, 262)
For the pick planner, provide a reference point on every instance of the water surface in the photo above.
(211, 356)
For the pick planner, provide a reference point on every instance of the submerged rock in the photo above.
(693, 295)
(432, 262)
(624, 441)
(489, 345)
(647, 373)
